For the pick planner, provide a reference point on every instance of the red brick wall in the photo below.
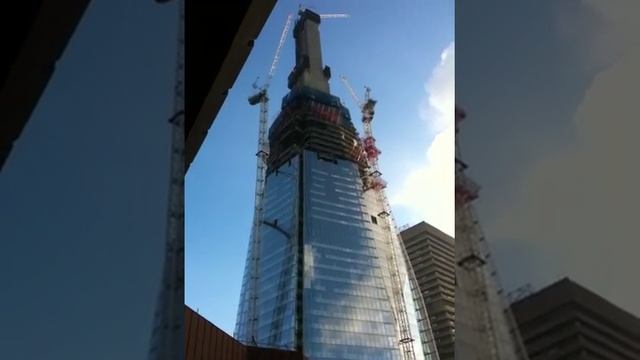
(204, 341)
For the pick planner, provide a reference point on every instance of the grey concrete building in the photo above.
(432, 256)
(567, 321)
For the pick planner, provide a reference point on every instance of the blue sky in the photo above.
(83, 194)
(393, 47)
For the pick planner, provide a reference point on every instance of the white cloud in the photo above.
(427, 191)
(621, 26)
(578, 206)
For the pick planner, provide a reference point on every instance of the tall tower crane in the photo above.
(262, 98)
(487, 328)
(167, 340)
(373, 181)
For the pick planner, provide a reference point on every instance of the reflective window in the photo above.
(273, 289)
(347, 299)
(347, 312)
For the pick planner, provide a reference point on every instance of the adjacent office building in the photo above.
(567, 321)
(432, 256)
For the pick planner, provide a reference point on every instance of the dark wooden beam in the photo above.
(218, 41)
(33, 34)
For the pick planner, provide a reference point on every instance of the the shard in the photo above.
(318, 276)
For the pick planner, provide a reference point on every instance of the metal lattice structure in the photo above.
(167, 340)
(262, 98)
(485, 327)
(373, 181)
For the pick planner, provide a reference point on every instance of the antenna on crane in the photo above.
(334, 16)
(351, 91)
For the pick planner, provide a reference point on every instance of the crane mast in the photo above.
(167, 341)
(262, 98)
(492, 332)
(373, 180)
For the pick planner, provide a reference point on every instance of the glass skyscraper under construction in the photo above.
(318, 276)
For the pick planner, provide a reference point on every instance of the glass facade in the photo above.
(345, 298)
(346, 305)
(275, 289)
(319, 270)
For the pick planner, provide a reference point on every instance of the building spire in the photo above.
(309, 70)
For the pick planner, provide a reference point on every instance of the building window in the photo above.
(374, 220)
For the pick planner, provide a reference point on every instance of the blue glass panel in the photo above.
(347, 312)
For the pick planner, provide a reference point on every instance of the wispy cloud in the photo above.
(427, 190)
